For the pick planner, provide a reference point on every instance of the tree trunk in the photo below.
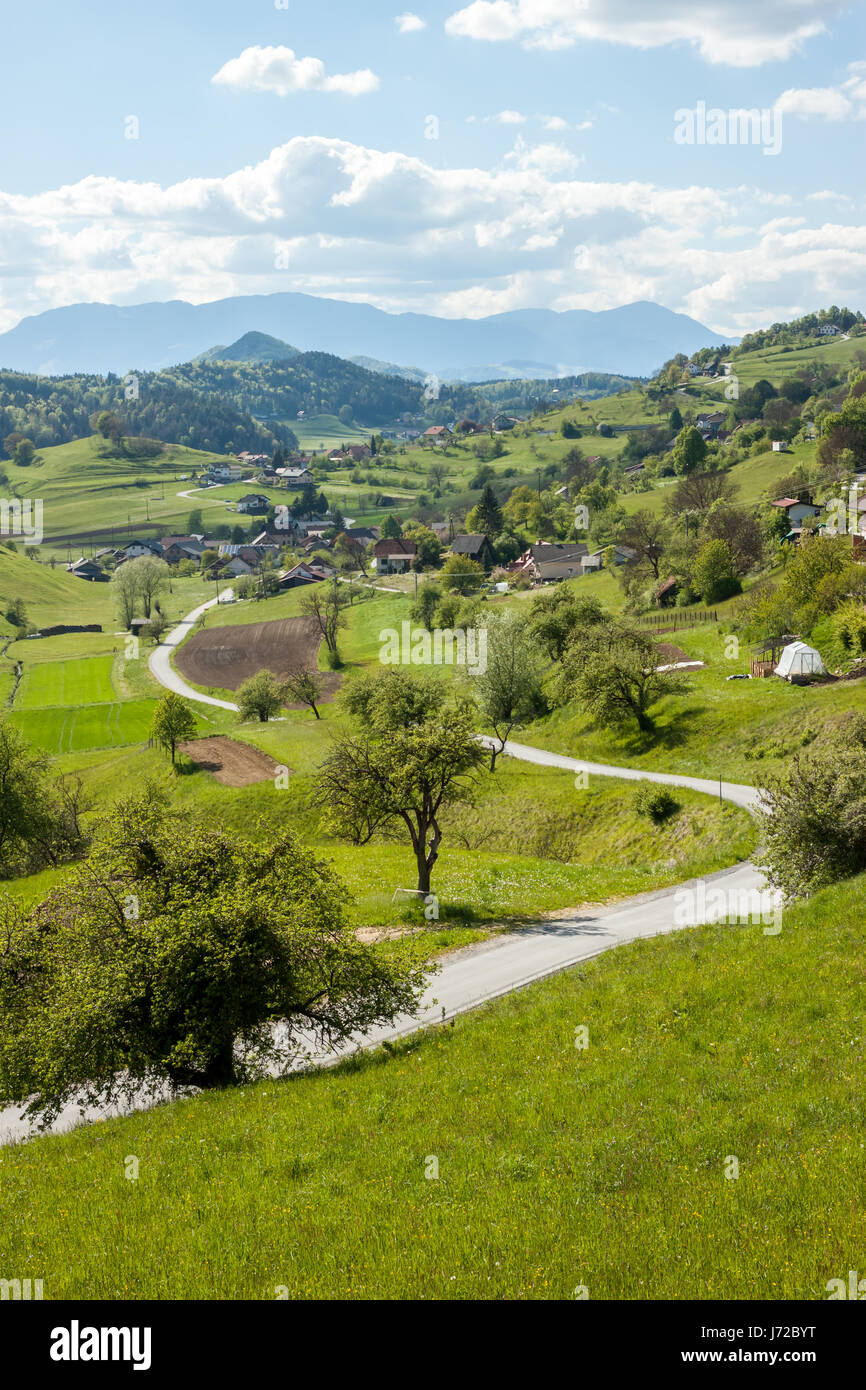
(315, 711)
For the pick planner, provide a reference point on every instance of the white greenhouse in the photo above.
(799, 659)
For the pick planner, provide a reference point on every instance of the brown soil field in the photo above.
(224, 657)
(232, 763)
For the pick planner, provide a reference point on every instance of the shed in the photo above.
(799, 660)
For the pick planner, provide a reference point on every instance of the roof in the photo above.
(392, 545)
(472, 544)
(438, 429)
(667, 586)
(789, 502)
(545, 553)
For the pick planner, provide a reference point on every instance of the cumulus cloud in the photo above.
(846, 102)
(388, 228)
(742, 33)
(409, 23)
(278, 70)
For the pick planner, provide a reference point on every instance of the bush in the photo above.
(656, 802)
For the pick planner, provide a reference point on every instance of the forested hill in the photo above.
(56, 410)
(229, 406)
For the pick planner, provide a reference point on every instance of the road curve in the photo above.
(160, 665)
(477, 974)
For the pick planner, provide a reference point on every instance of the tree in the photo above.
(463, 574)
(173, 723)
(261, 697)
(559, 614)
(391, 528)
(698, 492)
(675, 423)
(124, 585)
(195, 523)
(109, 425)
(40, 813)
(150, 577)
(813, 820)
(647, 535)
(713, 572)
(305, 688)
(489, 512)
(508, 689)
(611, 671)
(325, 603)
(741, 532)
(689, 451)
(415, 755)
(426, 602)
(180, 956)
(25, 452)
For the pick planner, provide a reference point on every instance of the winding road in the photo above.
(479, 973)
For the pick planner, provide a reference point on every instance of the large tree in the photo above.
(261, 697)
(507, 688)
(325, 603)
(173, 722)
(689, 451)
(182, 956)
(647, 535)
(611, 672)
(414, 755)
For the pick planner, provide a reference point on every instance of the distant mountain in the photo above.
(252, 347)
(633, 340)
(372, 364)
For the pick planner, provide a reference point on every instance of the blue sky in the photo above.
(555, 179)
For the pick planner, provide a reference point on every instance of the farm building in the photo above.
(476, 546)
(393, 555)
(545, 562)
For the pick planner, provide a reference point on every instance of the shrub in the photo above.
(658, 803)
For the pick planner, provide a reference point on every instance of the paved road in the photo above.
(159, 660)
(479, 973)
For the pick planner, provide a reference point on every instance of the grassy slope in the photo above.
(558, 1167)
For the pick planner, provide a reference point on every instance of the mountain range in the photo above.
(633, 340)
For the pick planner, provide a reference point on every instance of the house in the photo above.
(545, 562)
(595, 560)
(252, 459)
(438, 434)
(364, 534)
(87, 569)
(633, 469)
(828, 330)
(252, 555)
(503, 422)
(302, 573)
(441, 529)
(476, 546)
(710, 424)
(295, 476)
(226, 472)
(178, 548)
(393, 555)
(134, 549)
(780, 446)
(666, 593)
(798, 509)
(359, 452)
(253, 502)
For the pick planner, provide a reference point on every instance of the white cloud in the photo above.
(845, 102)
(510, 118)
(827, 195)
(555, 123)
(742, 33)
(278, 70)
(388, 228)
(409, 23)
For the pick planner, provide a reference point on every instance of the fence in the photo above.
(677, 619)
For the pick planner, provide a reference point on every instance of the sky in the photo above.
(458, 160)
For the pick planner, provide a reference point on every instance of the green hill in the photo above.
(608, 1168)
(252, 347)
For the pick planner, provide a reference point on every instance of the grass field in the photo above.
(607, 1168)
(90, 726)
(70, 683)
